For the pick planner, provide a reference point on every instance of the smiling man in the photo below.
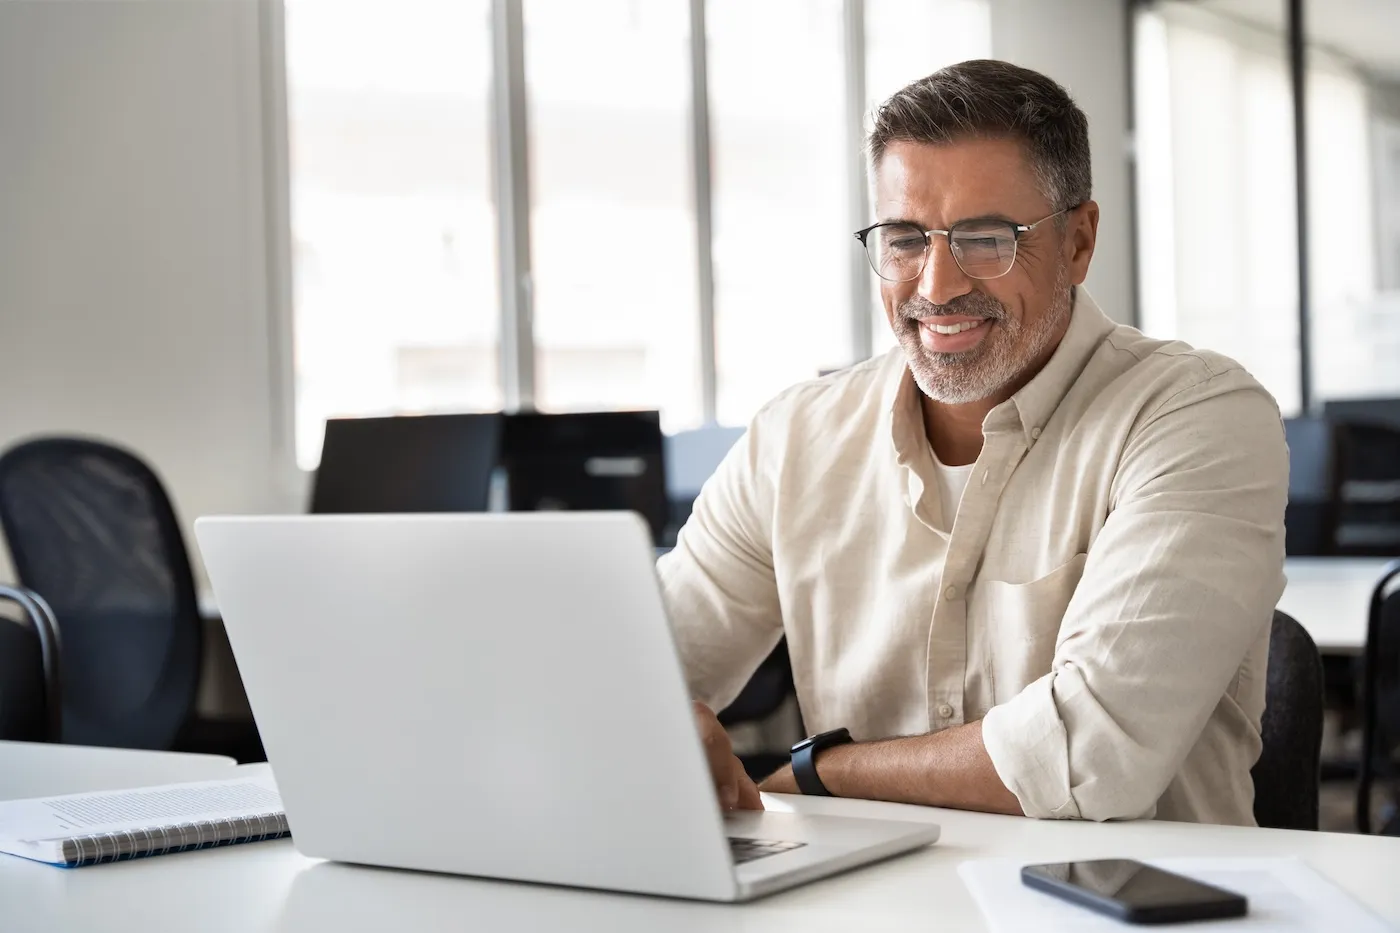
(1024, 563)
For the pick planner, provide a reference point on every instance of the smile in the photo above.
(953, 328)
(955, 336)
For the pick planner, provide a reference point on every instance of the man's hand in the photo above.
(735, 789)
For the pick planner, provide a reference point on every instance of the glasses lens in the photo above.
(984, 249)
(896, 251)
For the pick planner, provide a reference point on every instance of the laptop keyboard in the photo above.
(746, 850)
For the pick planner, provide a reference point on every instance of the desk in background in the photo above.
(1331, 598)
(267, 886)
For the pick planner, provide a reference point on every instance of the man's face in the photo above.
(1009, 325)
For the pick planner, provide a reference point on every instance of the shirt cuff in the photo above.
(1029, 748)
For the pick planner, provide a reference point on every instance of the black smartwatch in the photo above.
(804, 760)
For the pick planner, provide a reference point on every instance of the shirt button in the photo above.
(951, 592)
(1035, 433)
(945, 711)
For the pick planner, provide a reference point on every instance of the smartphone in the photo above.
(1134, 892)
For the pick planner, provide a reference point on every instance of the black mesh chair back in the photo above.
(31, 694)
(595, 460)
(1367, 489)
(1380, 696)
(1288, 772)
(90, 527)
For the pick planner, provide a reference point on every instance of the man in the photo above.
(1029, 558)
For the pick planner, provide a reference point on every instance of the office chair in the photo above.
(1309, 517)
(90, 526)
(1372, 410)
(597, 460)
(1380, 700)
(31, 686)
(1366, 490)
(407, 463)
(1288, 772)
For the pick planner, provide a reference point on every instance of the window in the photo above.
(1217, 197)
(1218, 244)
(393, 224)
(395, 267)
(612, 216)
(1355, 332)
(780, 217)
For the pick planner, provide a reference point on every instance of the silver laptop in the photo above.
(495, 695)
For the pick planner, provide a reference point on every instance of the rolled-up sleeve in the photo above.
(1180, 582)
(718, 582)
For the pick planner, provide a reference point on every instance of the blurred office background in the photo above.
(223, 222)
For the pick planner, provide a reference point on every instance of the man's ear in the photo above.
(1080, 238)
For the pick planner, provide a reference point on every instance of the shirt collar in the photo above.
(1038, 399)
(1029, 408)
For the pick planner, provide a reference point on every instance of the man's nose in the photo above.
(942, 279)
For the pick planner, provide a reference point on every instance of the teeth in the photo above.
(953, 328)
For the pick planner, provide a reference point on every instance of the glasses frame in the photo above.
(1017, 231)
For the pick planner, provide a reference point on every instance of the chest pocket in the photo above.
(1014, 626)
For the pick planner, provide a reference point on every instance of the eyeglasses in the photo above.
(983, 249)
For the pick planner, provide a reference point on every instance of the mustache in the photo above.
(973, 304)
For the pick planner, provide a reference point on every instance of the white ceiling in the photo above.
(1365, 31)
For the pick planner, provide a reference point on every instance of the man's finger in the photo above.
(748, 795)
(719, 755)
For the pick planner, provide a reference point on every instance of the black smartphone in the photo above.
(1134, 892)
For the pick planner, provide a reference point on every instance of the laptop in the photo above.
(496, 695)
(407, 463)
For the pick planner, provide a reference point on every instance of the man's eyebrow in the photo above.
(914, 223)
(991, 216)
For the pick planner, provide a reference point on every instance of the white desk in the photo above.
(1331, 597)
(33, 769)
(269, 887)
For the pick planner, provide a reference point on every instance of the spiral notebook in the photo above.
(87, 829)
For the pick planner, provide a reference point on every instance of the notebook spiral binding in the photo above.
(182, 837)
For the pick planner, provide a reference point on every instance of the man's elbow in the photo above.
(1118, 795)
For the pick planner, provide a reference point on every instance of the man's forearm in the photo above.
(943, 769)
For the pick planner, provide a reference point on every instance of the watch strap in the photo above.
(804, 761)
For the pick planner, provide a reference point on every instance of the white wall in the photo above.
(133, 271)
(1082, 45)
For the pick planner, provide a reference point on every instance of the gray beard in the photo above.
(1000, 359)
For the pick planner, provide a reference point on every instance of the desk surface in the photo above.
(1331, 597)
(34, 769)
(270, 887)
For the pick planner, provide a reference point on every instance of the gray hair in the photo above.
(991, 99)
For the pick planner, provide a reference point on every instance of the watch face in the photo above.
(840, 736)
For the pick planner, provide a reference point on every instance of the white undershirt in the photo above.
(952, 480)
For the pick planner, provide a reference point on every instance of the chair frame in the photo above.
(45, 625)
(1369, 701)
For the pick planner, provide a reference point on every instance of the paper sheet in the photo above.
(1285, 895)
(49, 818)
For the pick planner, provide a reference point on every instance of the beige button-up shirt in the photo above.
(1101, 600)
